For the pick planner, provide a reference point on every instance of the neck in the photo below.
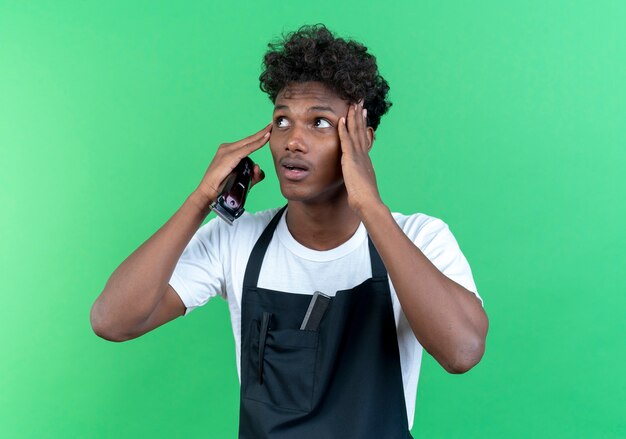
(322, 226)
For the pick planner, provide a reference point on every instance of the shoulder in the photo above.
(419, 227)
(247, 227)
(434, 238)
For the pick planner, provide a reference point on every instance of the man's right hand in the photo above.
(228, 155)
(137, 297)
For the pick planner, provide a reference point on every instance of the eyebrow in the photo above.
(314, 108)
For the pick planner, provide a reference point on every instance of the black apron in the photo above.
(342, 381)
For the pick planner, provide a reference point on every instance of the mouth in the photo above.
(294, 169)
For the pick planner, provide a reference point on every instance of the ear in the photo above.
(370, 137)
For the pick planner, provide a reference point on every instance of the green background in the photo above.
(508, 123)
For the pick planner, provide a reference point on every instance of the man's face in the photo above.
(305, 142)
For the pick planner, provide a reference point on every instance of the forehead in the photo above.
(305, 92)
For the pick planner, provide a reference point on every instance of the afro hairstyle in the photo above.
(313, 53)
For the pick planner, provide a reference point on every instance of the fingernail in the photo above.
(365, 113)
(266, 134)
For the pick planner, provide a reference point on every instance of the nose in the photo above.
(296, 140)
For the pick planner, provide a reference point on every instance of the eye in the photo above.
(322, 123)
(281, 122)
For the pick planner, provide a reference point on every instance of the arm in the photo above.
(447, 319)
(137, 297)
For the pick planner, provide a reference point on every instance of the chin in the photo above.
(302, 195)
(293, 194)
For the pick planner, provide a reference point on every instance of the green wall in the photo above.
(508, 123)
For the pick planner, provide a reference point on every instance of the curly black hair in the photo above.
(313, 53)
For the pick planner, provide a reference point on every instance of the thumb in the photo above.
(257, 175)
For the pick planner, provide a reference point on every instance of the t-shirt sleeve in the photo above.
(199, 274)
(439, 245)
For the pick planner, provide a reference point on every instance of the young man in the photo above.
(397, 283)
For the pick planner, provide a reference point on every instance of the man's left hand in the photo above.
(358, 172)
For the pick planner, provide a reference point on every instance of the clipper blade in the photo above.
(223, 213)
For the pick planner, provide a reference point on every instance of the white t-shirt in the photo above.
(215, 261)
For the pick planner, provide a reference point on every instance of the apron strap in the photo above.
(253, 269)
(378, 268)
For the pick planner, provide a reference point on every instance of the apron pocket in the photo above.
(287, 375)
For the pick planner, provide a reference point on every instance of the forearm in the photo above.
(447, 319)
(138, 284)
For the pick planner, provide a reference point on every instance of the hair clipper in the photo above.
(229, 203)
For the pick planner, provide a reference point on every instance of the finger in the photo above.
(257, 175)
(365, 138)
(249, 148)
(344, 136)
(360, 126)
(353, 124)
(233, 155)
(346, 123)
(358, 115)
(349, 120)
(254, 137)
